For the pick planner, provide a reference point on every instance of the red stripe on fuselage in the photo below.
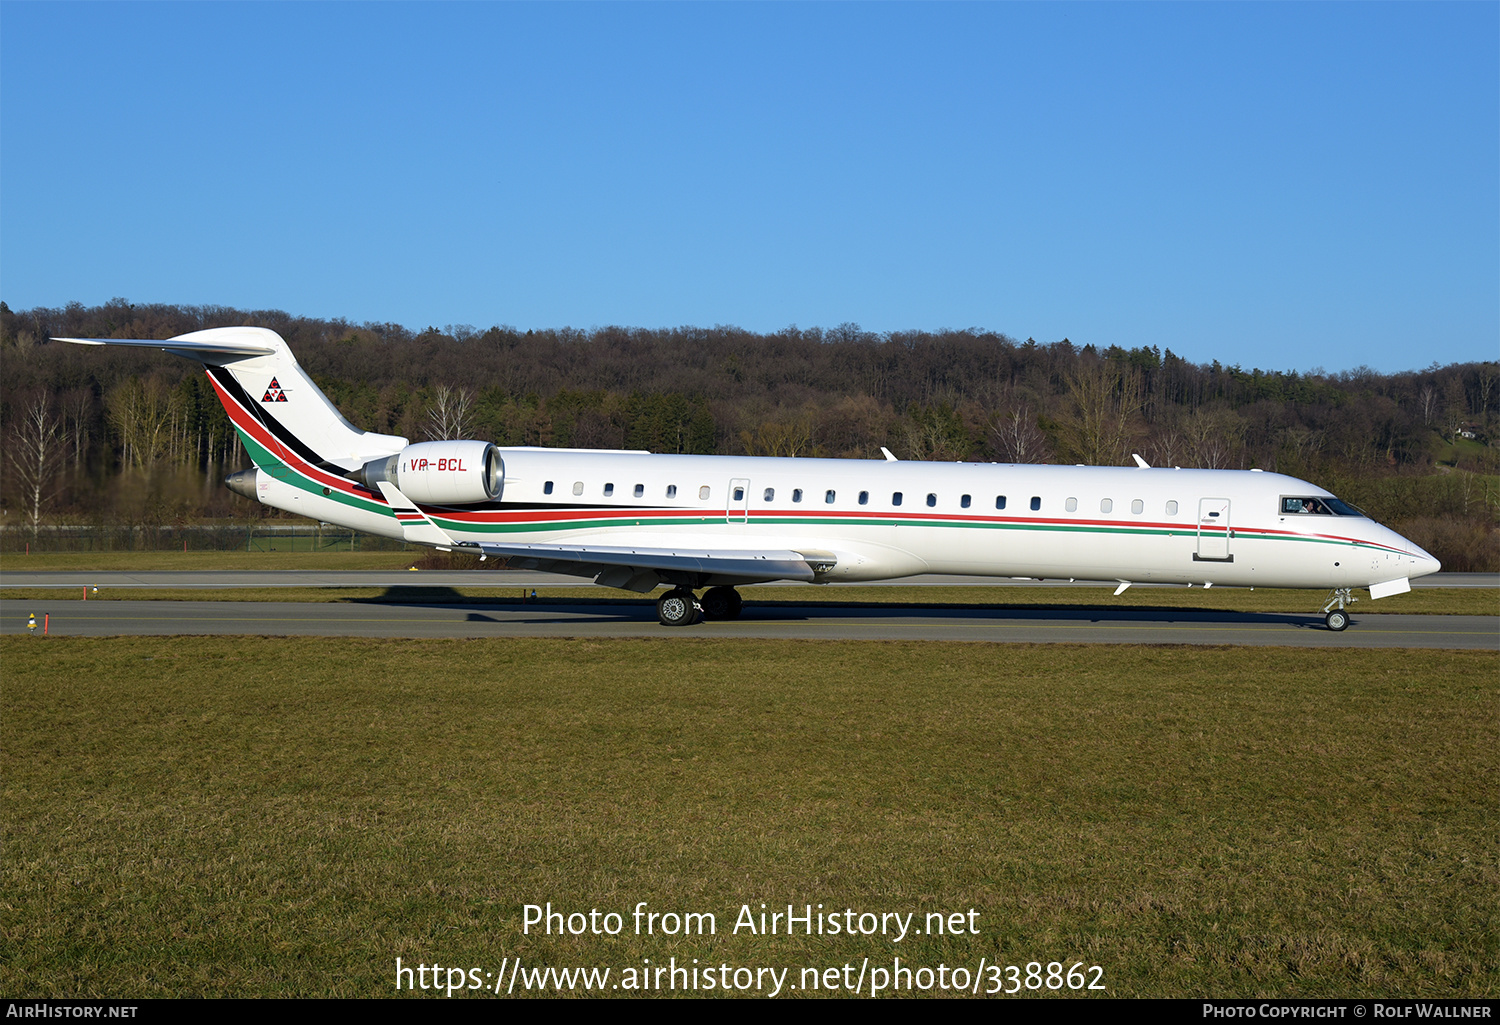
(251, 425)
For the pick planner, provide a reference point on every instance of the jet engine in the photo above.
(441, 472)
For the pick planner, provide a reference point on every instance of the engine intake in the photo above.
(441, 472)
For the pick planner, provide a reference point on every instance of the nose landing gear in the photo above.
(1334, 615)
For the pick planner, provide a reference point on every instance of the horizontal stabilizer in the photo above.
(182, 346)
(415, 526)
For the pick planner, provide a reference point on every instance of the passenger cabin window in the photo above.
(547, 488)
(896, 498)
(828, 497)
(1137, 507)
(1036, 502)
(1172, 508)
(1106, 505)
(703, 493)
(796, 494)
(999, 501)
(1071, 505)
(770, 495)
(864, 498)
(671, 490)
(931, 500)
(640, 491)
(578, 487)
(739, 494)
(609, 489)
(966, 501)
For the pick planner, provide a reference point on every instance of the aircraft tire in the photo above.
(678, 607)
(1337, 620)
(722, 603)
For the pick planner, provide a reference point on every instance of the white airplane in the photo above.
(638, 521)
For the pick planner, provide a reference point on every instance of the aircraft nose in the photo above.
(1425, 564)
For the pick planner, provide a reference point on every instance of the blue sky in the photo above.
(1279, 185)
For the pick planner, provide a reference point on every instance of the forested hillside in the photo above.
(102, 436)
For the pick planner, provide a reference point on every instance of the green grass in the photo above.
(287, 817)
(1427, 601)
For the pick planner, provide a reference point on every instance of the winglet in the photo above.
(416, 527)
(1123, 585)
(1139, 461)
(887, 453)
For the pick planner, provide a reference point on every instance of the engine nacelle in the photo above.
(441, 472)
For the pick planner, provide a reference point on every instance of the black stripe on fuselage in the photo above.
(273, 426)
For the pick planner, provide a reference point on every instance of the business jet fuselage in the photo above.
(639, 520)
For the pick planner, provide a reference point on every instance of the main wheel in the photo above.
(722, 603)
(677, 607)
(1337, 620)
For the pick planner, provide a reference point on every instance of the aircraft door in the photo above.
(739, 501)
(1213, 529)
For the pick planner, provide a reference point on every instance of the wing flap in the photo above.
(587, 560)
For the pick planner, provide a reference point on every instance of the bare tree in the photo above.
(790, 434)
(1215, 435)
(1018, 439)
(143, 414)
(450, 417)
(38, 456)
(1107, 401)
(1302, 444)
(1167, 445)
(1488, 374)
(1429, 404)
(78, 407)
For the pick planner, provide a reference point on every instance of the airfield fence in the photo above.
(259, 537)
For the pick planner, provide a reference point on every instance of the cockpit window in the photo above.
(1341, 508)
(1317, 507)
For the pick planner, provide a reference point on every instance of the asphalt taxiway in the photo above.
(393, 618)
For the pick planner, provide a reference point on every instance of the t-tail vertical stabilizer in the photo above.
(281, 416)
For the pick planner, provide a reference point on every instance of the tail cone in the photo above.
(243, 483)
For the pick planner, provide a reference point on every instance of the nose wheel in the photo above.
(678, 607)
(1334, 615)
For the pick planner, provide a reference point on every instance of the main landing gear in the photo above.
(678, 607)
(1336, 618)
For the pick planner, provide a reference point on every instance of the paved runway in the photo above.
(502, 579)
(388, 619)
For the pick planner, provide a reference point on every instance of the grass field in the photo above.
(288, 817)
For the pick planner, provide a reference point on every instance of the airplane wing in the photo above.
(641, 569)
(631, 568)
